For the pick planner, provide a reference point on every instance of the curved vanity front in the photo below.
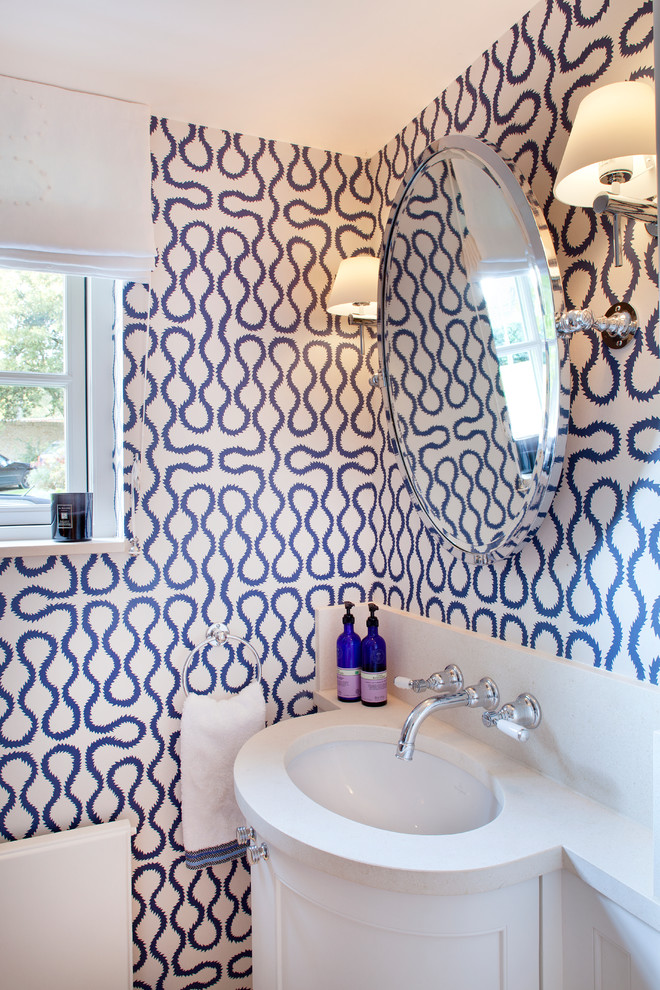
(341, 902)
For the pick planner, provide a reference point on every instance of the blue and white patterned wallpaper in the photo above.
(585, 587)
(268, 487)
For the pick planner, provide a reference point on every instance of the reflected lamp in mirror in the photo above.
(354, 292)
(609, 164)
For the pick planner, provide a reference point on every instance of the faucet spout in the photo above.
(481, 695)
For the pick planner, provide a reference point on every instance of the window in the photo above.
(57, 410)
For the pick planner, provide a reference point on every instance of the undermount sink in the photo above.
(360, 779)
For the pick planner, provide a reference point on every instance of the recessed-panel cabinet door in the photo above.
(604, 946)
(314, 930)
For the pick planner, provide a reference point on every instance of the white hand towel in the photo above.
(212, 732)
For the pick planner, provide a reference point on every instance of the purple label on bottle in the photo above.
(374, 687)
(348, 683)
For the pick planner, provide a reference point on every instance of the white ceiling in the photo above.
(344, 76)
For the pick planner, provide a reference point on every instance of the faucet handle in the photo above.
(516, 718)
(450, 679)
(516, 732)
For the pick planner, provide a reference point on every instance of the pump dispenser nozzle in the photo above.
(348, 617)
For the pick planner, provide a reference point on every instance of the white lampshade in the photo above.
(614, 122)
(355, 289)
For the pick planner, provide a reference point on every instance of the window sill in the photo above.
(46, 548)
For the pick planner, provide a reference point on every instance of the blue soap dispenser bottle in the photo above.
(349, 653)
(373, 686)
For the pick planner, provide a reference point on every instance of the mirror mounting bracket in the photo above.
(617, 327)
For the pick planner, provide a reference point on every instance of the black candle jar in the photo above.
(71, 516)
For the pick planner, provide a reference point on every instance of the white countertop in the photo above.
(543, 826)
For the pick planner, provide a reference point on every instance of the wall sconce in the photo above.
(354, 292)
(609, 164)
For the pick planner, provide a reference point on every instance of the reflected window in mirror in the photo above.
(515, 318)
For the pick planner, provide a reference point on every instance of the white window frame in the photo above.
(104, 405)
(92, 427)
(533, 345)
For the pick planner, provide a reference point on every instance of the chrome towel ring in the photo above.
(218, 635)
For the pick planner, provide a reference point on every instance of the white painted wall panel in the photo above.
(65, 910)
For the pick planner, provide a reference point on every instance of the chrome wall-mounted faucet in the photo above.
(516, 718)
(481, 695)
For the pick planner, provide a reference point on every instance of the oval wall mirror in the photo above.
(475, 376)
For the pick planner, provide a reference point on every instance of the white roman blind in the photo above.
(75, 182)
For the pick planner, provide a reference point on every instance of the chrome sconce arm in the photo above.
(645, 211)
(355, 320)
(617, 327)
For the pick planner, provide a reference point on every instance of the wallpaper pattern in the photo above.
(583, 588)
(258, 502)
(267, 485)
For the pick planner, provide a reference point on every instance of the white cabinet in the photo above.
(311, 929)
(604, 946)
